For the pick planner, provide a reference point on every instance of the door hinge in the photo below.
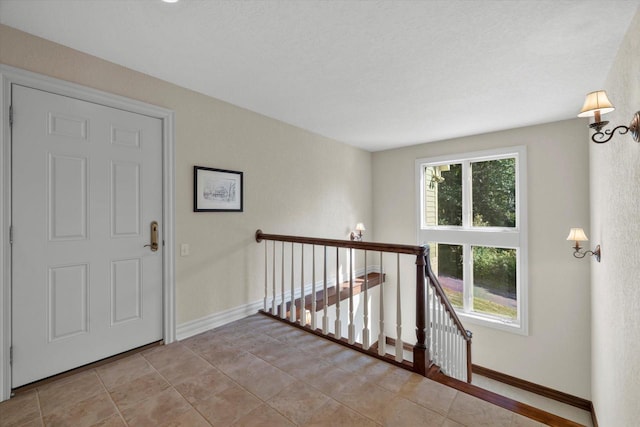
(10, 116)
(11, 234)
(11, 355)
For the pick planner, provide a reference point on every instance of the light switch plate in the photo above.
(184, 249)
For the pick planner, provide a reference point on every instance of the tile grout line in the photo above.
(317, 389)
(222, 373)
(444, 415)
(69, 404)
(321, 391)
(329, 397)
(110, 398)
(39, 407)
(514, 414)
(264, 402)
(171, 385)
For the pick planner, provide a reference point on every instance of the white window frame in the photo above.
(467, 235)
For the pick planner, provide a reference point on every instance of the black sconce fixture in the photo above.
(596, 104)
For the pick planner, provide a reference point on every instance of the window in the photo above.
(472, 213)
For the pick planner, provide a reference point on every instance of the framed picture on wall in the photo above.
(216, 190)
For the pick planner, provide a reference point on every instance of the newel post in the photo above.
(420, 352)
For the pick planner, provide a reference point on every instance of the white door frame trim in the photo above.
(10, 75)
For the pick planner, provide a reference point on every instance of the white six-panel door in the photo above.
(87, 183)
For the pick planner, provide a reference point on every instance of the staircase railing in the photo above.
(450, 342)
(308, 280)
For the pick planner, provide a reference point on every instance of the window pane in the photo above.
(443, 195)
(446, 262)
(494, 281)
(494, 193)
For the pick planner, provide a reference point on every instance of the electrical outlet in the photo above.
(184, 249)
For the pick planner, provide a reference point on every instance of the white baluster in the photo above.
(313, 288)
(292, 307)
(382, 340)
(465, 374)
(444, 341)
(450, 341)
(427, 315)
(303, 311)
(454, 356)
(461, 358)
(440, 335)
(434, 319)
(445, 349)
(443, 337)
(366, 343)
(338, 324)
(352, 327)
(266, 278)
(433, 328)
(273, 282)
(399, 355)
(453, 352)
(459, 353)
(462, 361)
(447, 338)
(283, 311)
(434, 323)
(440, 332)
(325, 318)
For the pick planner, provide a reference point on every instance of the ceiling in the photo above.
(373, 74)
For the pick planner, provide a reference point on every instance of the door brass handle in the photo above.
(154, 237)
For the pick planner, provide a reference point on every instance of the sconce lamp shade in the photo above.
(360, 227)
(596, 102)
(577, 235)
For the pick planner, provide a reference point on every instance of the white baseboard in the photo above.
(211, 321)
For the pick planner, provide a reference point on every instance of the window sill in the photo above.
(493, 323)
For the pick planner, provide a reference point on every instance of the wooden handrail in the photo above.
(380, 247)
(367, 246)
(445, 301)
(421, 350)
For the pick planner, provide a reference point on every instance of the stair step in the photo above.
(373, 279)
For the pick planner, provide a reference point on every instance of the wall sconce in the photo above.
(597, 103)
(358, 236)
(577, 235)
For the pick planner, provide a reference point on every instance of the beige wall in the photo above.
(331, 191)
(295, 182)
(615, 224)
(557, 351)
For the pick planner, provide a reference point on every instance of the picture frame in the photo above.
(217, 190)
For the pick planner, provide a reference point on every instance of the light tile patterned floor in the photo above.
(253, 372)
